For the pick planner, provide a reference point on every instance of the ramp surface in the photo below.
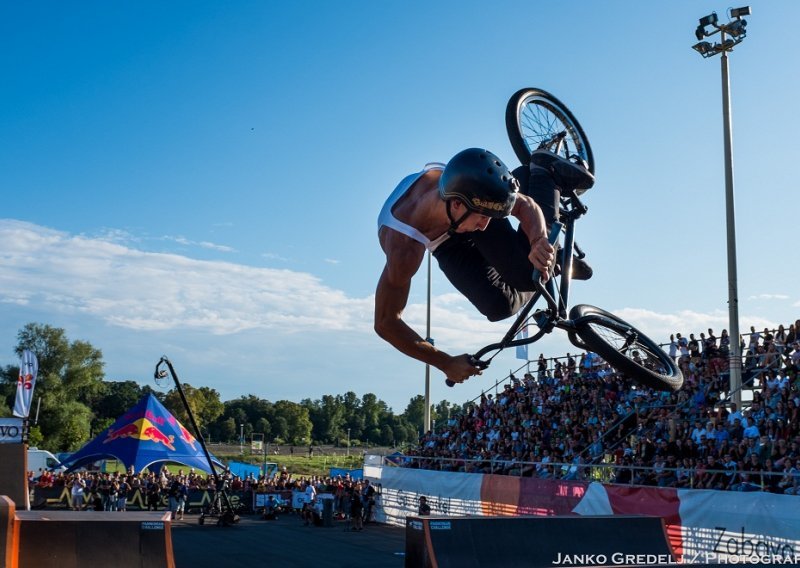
(74, 539)
(464, 542)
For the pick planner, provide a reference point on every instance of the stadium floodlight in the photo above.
(739, 12)
(737, 28)
(709, 20)
(704, 48)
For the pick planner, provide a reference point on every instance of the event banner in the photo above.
(28, 369)
(10, 430)
(703, 526)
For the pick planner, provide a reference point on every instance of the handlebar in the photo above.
(475, 360)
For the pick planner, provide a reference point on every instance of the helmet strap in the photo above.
(454, 223)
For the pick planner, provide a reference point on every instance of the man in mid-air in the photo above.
(459, 211)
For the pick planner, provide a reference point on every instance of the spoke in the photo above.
(633, 350)
(540, 122)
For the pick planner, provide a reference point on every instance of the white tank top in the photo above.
(386, 218)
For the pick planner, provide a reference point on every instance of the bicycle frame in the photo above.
(555, 315)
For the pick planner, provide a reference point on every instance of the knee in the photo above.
(497, 308)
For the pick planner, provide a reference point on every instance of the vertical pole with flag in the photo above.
(28, 369)
(522, 350)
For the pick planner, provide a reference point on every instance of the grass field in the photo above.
(296, 465)
(304, 465)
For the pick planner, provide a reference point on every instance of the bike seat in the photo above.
(567, 174)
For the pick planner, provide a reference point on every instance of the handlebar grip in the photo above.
(476, 362)
(555, 231)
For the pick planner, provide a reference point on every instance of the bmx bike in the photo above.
(537, 120)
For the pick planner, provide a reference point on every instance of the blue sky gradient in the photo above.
(202, 179)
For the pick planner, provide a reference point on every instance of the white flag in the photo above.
(522, 350)
(28, 369)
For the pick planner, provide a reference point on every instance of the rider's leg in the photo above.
(474, 275)
(543, 180)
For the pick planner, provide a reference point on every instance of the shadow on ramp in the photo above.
(465, 542)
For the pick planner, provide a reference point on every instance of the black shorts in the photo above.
(490, 268)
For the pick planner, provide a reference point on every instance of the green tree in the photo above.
(415, 412)
(443, 411)
(281, 428)
(70, 379)
(374, 410)
(212, 407)
(263, 426)
(82, 377)
(327, 416)
(35, 437)
(204, 403)
(297, 421)
(387, 435)
(227, 430)
(118, 397)
(353, 417)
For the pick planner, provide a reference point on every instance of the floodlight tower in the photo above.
(730, 35)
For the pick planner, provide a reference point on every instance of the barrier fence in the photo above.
(609, 473)
(57, 497)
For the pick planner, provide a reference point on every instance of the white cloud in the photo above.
(130, 288)
(769, 297)
(274, 256)
(137, 304)
(201, 244)
(332, 261)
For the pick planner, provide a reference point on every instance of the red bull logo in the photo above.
(186, 436)
(152, 433)
(142, 429)
(127, 431)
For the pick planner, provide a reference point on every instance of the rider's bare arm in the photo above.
(403, 258)
(532, 222)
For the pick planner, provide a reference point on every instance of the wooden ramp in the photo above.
(465, 542)
(73, 539)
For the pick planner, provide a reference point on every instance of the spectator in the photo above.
(424, 508)
(356, 509)
(153, 495)
(368, 494)
(309, 499)
(78, 491)
(791, 476)
(531, 426)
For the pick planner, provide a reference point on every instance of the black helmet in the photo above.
(482, 182)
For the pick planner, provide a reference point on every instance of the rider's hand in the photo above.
(542, 256)
(458, 369)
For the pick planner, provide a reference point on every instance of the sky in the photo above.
(201, 179)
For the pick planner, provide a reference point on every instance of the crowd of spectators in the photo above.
(352, 499)
(576, 418)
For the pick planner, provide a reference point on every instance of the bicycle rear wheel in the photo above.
(625, 348)
(536, 119)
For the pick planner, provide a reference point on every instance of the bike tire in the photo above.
(533, 116)
(608, 336)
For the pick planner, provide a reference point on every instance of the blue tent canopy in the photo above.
(146, 435)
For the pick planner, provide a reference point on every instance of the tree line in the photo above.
(75, 401)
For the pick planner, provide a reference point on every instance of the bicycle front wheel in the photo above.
(626, 348)
(535, 119)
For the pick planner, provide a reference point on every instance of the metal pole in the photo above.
(189, 413)
(427, 415)
(348, 442)
(733, 291)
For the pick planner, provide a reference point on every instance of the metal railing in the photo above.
(689, 478)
